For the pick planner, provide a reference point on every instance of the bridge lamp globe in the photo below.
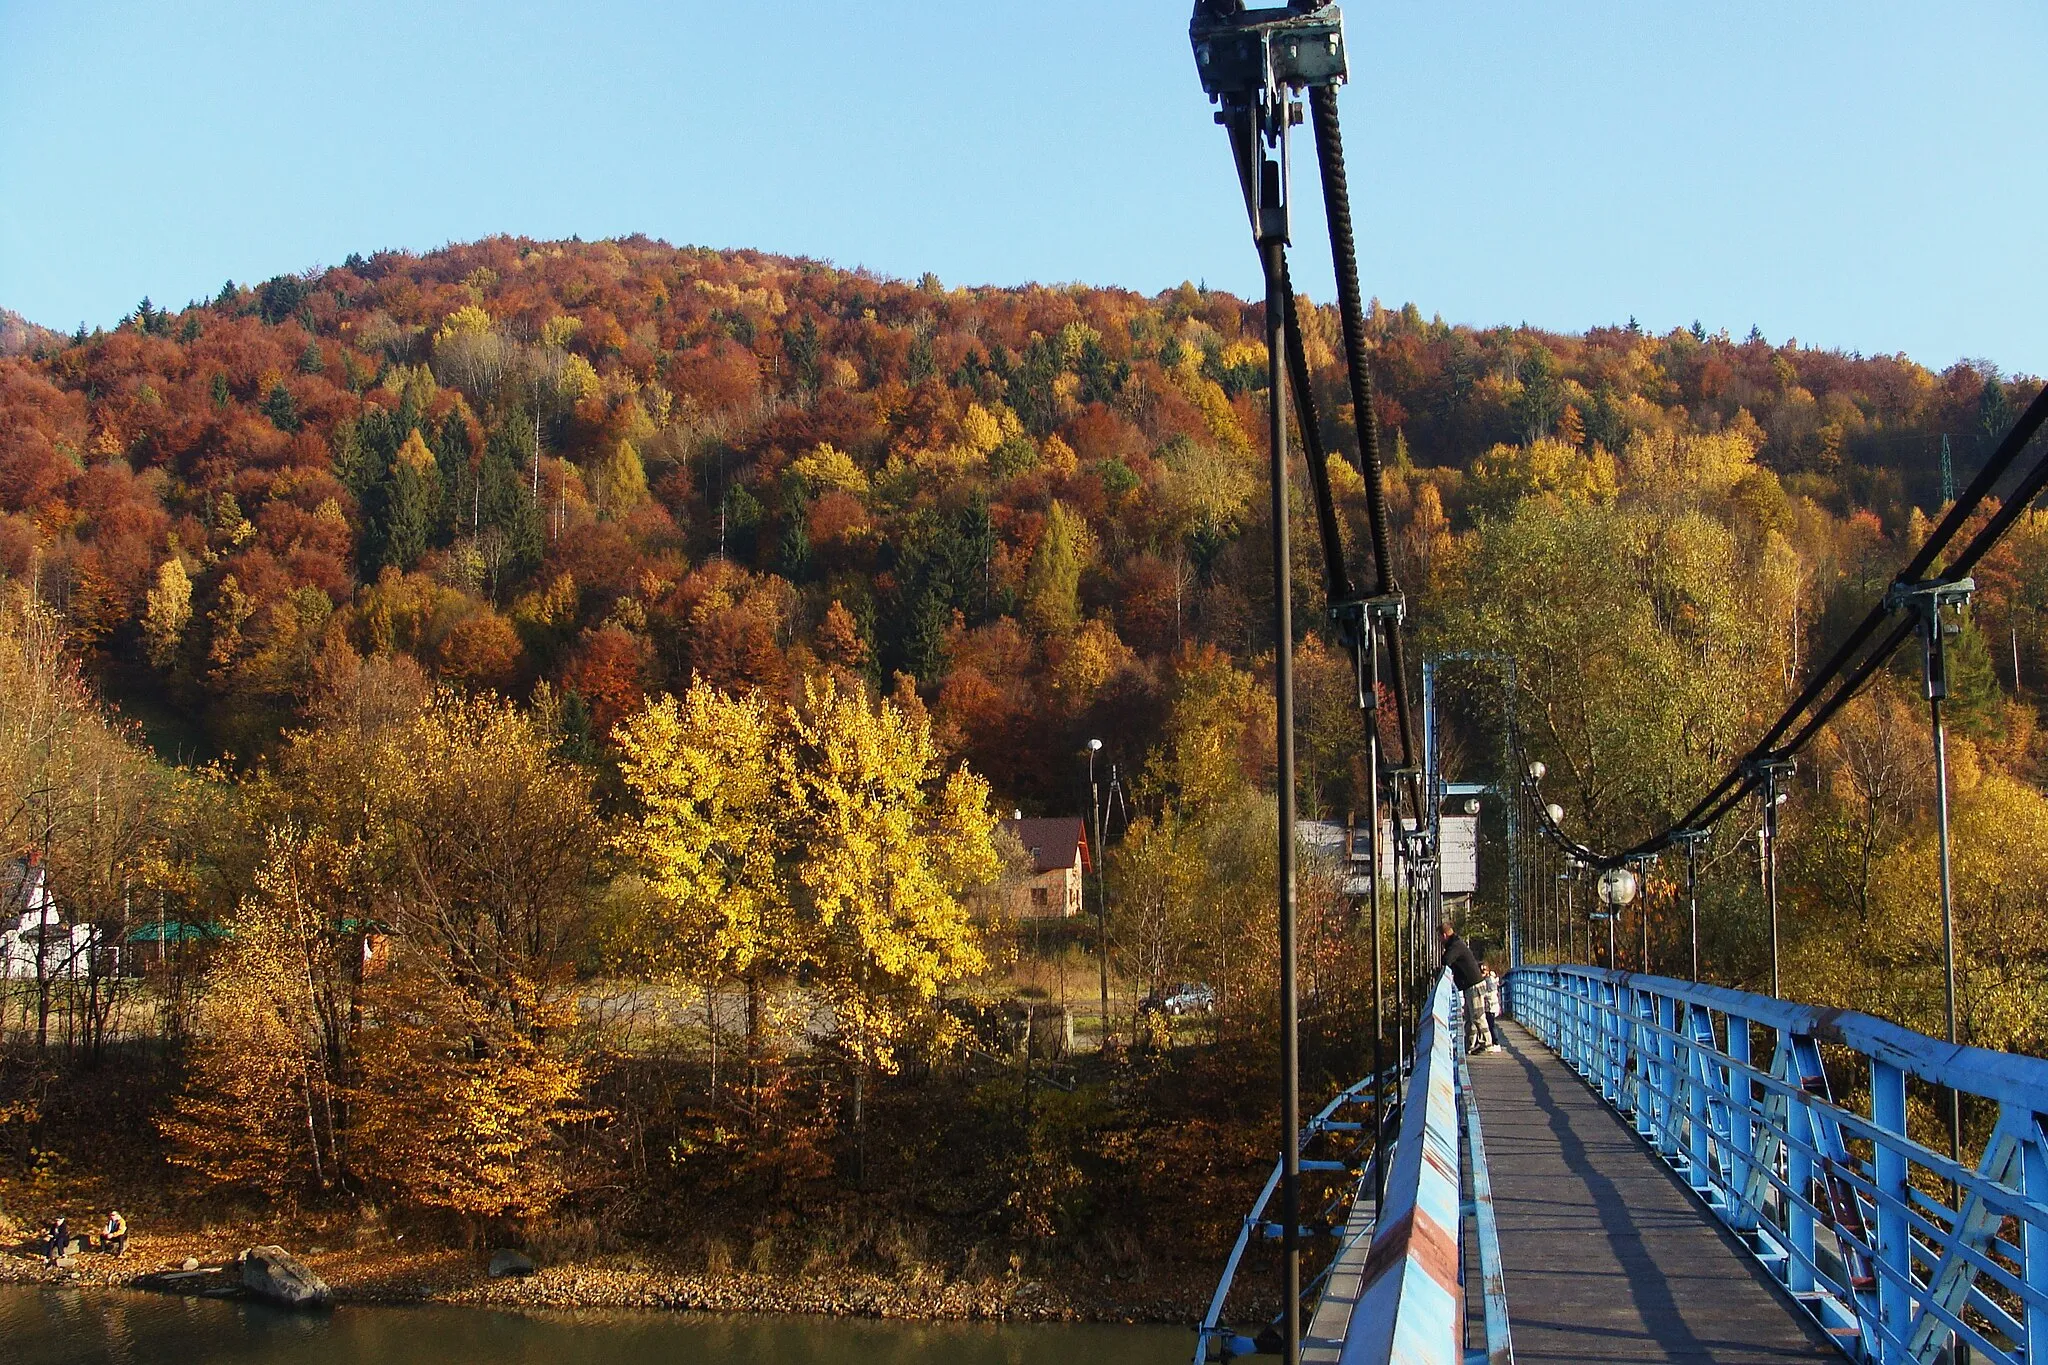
(1617, 887)
(1555, 812)
(1536, 771)
(1472, 805)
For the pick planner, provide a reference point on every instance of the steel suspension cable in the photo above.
(1351, 317)
(1851, 666)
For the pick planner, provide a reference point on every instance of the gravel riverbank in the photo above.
(394, 1274)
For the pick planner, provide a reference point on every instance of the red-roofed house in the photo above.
(1058, 846)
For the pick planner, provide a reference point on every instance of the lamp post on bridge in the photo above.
(1564, 874)
(1616, 887)
(1691, 839)
(1642, 871)
(1926, 601)
(1771, 769)
(1571, 916)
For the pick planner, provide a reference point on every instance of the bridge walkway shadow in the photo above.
(1608, 1256)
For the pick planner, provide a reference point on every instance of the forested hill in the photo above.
(601, 467)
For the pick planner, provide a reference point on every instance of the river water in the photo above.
(112, 1327)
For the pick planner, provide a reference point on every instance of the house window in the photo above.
(1038, 896)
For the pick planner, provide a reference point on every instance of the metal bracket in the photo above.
(1388, 606)
(1770, 766)
(1251, 52)
(1929, 594)
(1252, 63)
(1360, 621)
(1925, 599)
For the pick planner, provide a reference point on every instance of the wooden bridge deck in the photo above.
(1608, 1256)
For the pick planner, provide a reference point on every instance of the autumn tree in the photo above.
(710, 833)
(892, 841)
(461, 1104)
(267, 1100)
(1052, 590)
(168, 612)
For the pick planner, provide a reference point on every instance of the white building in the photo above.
(34, 940)
(1336, 842)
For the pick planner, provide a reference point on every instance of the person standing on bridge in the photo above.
(1465, 976)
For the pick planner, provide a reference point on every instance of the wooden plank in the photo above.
(1608, 1256)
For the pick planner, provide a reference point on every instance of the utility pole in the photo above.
(1101, 889)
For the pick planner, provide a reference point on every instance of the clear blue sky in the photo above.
(1865, 175)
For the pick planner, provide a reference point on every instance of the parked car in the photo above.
(1189, 997)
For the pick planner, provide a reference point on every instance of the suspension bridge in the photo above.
(1655, 1169)
(1649, 1168)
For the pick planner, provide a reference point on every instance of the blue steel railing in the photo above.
(1899, 1251)
(1215, 1339)
(1406, 1289)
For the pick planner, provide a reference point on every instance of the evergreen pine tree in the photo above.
(505, 499)
(280, 407)
(1975, 704)
(1994, 412)
(455, 463)
(412, 503)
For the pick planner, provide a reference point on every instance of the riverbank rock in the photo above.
(275, 1274)
(506, 1261)
(189, 1263)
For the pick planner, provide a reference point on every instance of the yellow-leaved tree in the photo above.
(167, 611)
(892, 840)
(827, 841)
(2001, 921)
(710, 838)
(265, 1104)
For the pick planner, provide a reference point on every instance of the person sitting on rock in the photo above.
(60, 1242)
(114, 1241)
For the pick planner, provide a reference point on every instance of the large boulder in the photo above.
(506, 1261)
(275, 1274)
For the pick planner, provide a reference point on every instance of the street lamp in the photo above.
(1617, 887)
(1101, 889)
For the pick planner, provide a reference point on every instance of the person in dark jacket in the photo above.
(60, 1242)
(1466, 976)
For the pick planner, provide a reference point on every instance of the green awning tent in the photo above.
(175, 931)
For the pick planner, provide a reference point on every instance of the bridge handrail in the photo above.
(2002, 1076)
(1409, 1300)
(1893, 1266)
(1212, 1328)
